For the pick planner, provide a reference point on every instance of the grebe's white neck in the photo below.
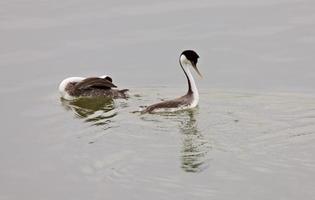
(64, 83)
(192, 87)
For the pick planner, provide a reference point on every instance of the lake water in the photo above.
(252, 136)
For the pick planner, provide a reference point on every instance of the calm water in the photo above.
(252, 136)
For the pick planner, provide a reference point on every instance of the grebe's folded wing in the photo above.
(94, 82)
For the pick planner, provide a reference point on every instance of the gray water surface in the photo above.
(252, 136)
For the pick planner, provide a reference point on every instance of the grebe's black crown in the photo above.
(191, 55)
(108, 78)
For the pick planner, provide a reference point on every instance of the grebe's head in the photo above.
(107, 78)
(190, 57)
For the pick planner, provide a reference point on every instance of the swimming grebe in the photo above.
(187, 59)
(75, 87)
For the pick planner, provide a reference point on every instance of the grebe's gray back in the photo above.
(188, 59)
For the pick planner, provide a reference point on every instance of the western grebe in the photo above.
(188, 59)
(75, 87)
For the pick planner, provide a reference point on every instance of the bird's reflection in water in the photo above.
(97, 111)
(195, 147)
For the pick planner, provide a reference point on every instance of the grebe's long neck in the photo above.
(192, 87)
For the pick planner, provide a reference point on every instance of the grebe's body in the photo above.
(187, 60)
(75, 87)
